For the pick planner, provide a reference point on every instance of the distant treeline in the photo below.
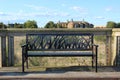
(112, 24)
(50, 24)
(27, 24)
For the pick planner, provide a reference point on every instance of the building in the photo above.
(75, 24)
(15, 25)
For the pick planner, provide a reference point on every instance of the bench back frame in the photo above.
(59, 42)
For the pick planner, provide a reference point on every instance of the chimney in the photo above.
(71, 20)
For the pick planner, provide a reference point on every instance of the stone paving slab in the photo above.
(109, 73)
(66, 75)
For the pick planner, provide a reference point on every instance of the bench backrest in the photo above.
(59, 41)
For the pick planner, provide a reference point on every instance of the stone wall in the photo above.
(10, 33)
(0, 55)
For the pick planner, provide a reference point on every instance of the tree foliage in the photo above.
(111, 24)
(118, 25)
(50, 24)
(30, 24)
(59, 26)
(2, 25)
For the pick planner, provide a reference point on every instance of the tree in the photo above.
(2, 25)
(30, 24)
(111, 24)
(59, 26)
(118, 25)
(50, 24)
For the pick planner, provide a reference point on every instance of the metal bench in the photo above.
(59, 45)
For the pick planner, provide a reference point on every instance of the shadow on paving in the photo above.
(70, 68)
(83, 69)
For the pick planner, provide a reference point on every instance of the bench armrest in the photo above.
(24, 49)
(95, 49)
(24, 45)
(24, 55)
(95, 45)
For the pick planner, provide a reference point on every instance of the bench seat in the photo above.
(59, 53)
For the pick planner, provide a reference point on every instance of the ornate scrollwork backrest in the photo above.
(59, 41)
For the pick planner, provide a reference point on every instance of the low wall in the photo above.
(7, 36)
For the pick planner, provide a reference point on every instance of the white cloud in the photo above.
(79, 9)
(36, 7)
(52, 14)
(63, 5)
(76, 8)
(3, 14)
(108, 9)
(99, 17)
(22, 16)
(37, 13)
(46, 12)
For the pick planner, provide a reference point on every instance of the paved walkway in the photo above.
(109, 73)
(68, 75)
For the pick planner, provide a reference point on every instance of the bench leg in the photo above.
(23, 63)
(96, 59)
(92, 61)
(27, 62)
(96, 63)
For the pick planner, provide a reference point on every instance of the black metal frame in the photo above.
(59, 42)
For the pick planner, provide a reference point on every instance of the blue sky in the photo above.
(97, 12)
